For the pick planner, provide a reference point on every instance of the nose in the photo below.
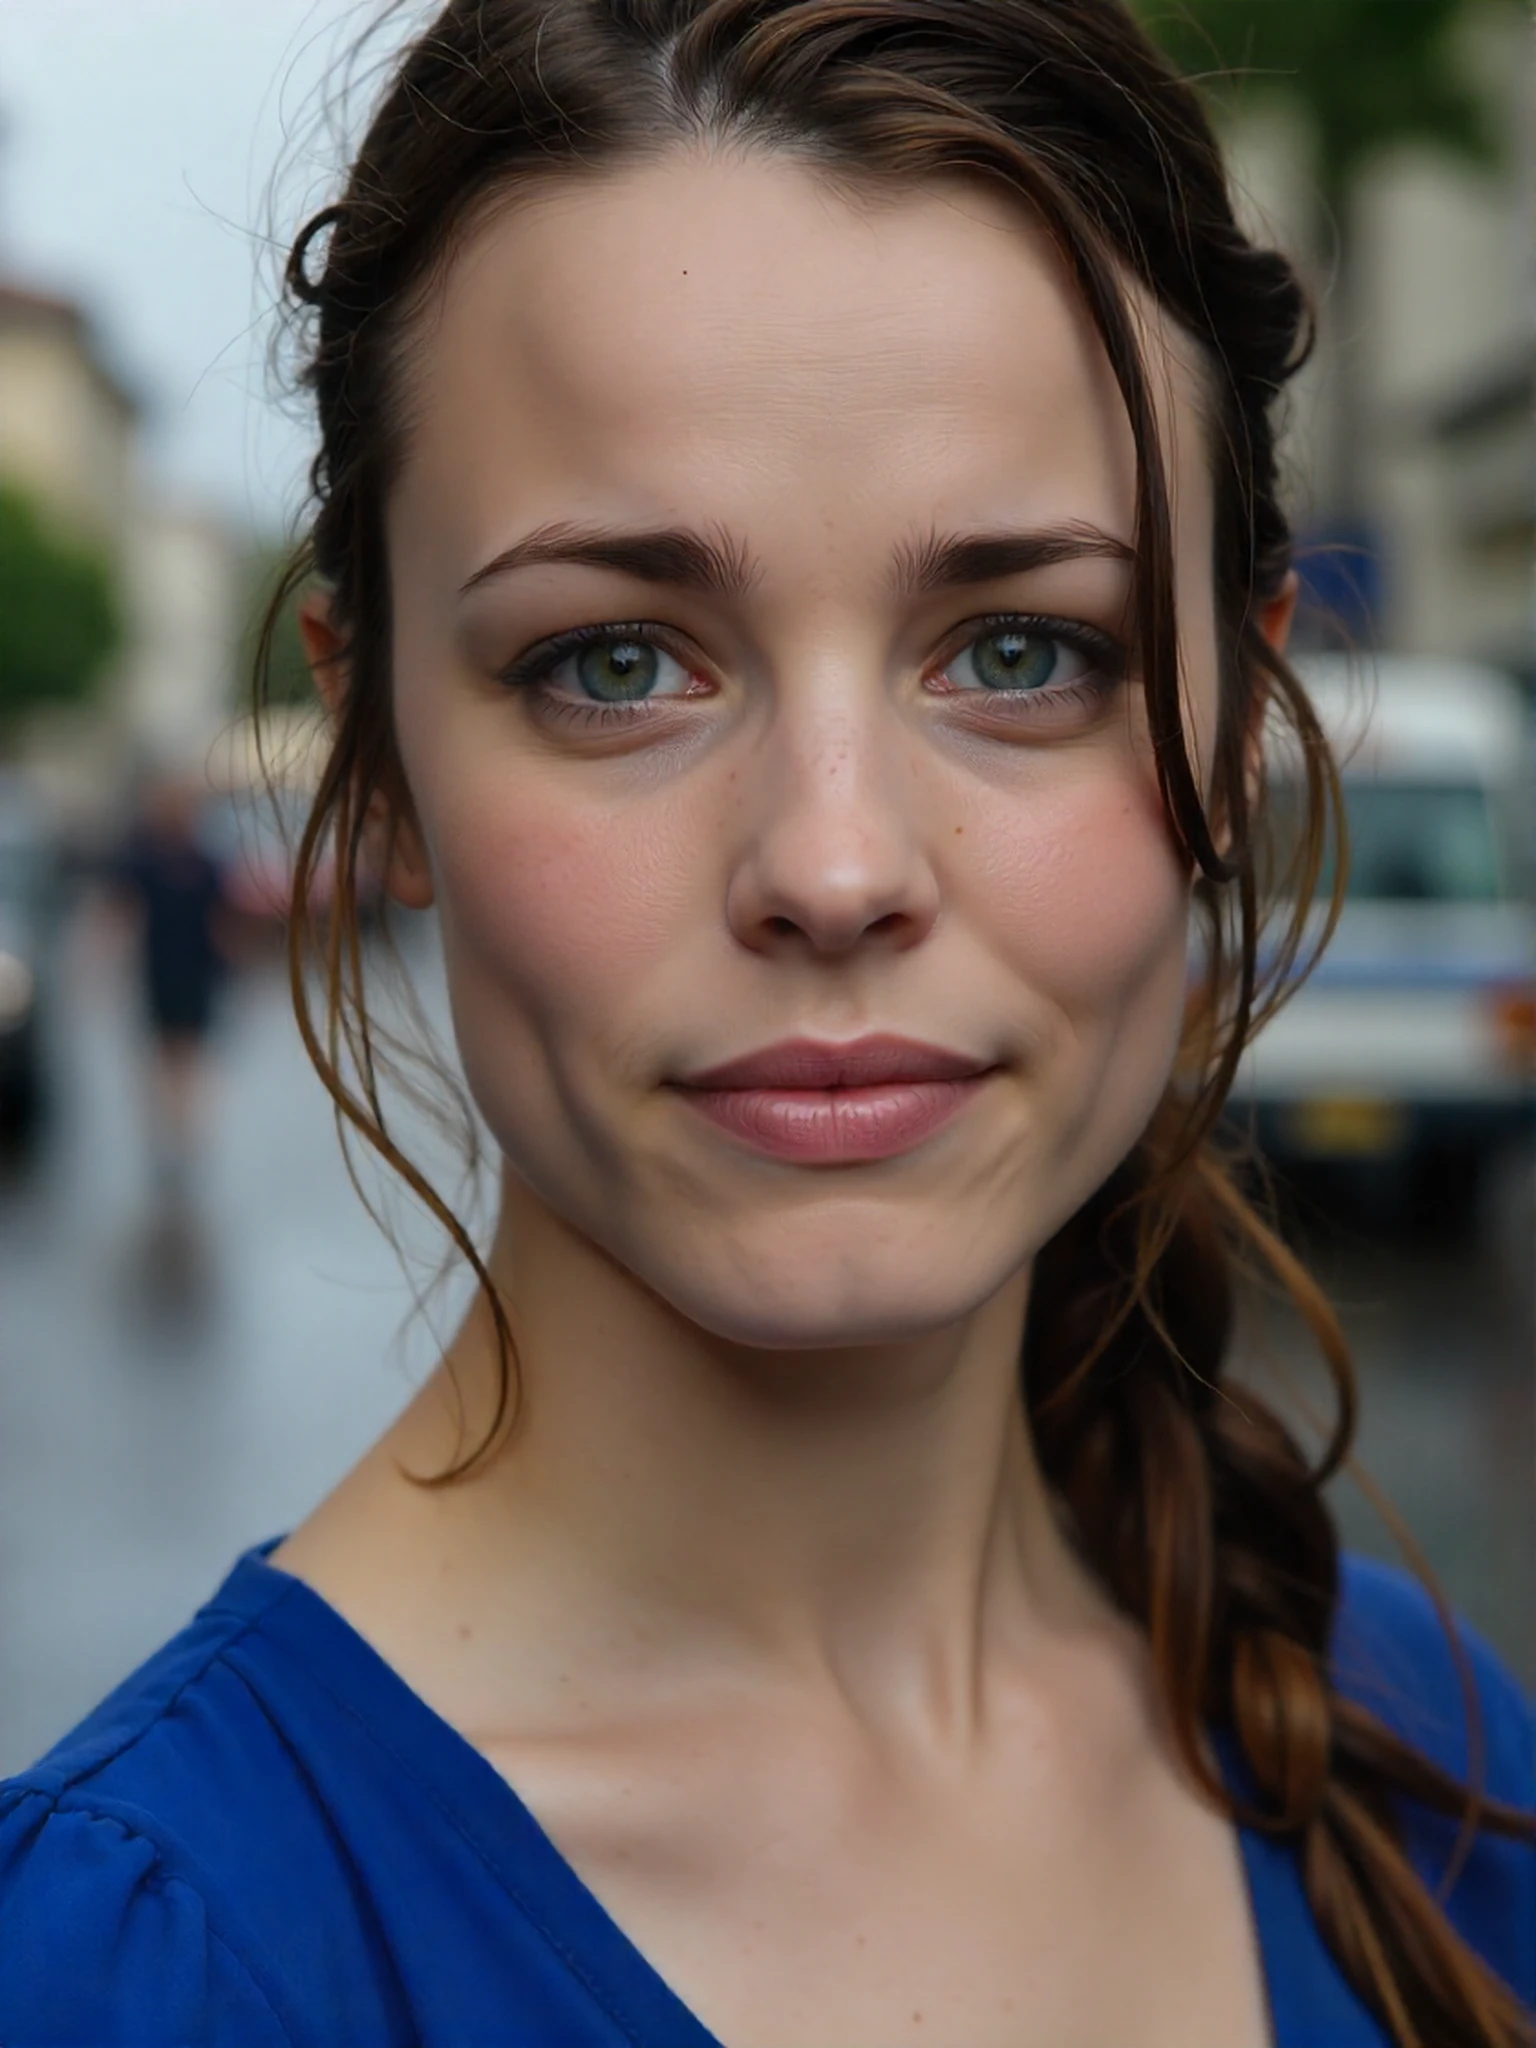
(833, 855)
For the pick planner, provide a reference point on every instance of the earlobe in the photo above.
(391, 838)
(407, 875)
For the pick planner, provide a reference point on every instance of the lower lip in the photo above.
(836, 1126)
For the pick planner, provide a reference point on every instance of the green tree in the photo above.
(1369, 73)
(60, 617)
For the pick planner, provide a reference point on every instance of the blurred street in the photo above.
(164, 1406)
(156, 1419)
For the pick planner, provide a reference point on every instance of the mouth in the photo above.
(838, 1105)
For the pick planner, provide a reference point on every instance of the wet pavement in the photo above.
(168, 1399)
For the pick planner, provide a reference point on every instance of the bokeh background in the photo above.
(187, 1362)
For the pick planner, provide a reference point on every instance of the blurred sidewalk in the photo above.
(153, 1424)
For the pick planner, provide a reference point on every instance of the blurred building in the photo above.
(1482, 456)
(67, 421)
(1427, 343)
(69, 430)
(1450, 444)
(184, 585)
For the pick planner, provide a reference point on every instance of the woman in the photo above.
(802, 591)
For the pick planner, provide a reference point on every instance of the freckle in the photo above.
(917, 2016)
(959, 830)
(465, 1631)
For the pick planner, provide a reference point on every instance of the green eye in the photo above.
(1012, 660)
(617, 671)
(597, 669)
(1024, 659)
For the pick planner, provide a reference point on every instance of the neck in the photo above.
(856, 1509)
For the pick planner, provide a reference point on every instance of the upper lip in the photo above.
(856, 1063)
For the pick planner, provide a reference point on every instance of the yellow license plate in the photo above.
(1352, 1129)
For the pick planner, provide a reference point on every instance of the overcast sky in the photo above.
(141, 139)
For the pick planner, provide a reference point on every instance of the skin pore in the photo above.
(764, 1608)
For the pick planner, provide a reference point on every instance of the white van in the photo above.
(1415, 1038)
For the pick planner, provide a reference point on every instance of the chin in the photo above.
(834, 1297)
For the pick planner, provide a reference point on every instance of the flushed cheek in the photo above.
(554, 909)
(1090, 906)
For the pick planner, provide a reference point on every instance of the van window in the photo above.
(1426, 842)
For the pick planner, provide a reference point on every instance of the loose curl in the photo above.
(1196, 1508)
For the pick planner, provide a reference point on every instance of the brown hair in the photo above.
(1198, 1510)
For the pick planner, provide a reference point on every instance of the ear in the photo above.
(324, 650)
(1275, 616)
(391, 837)
(1277, 613)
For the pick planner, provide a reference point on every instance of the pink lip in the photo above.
(871, 1098)
(859, 1063)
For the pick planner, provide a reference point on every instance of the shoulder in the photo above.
(1393, 1655)
(103, 1939)
(113, 1928)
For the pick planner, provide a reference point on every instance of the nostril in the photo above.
(891, 925)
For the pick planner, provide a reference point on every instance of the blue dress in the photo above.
(265, 1839)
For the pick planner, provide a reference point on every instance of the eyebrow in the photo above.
(715, 564)
(946, 561)
(719, 565)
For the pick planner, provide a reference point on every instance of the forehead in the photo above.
(732, 337)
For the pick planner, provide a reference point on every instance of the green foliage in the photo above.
(1369, 72)
(60, 618)
(288, 677)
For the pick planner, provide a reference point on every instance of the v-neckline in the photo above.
(1306, 1997)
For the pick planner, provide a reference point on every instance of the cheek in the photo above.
(550, 897)
(1090, 901)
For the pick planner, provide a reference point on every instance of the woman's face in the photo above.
(761, 584)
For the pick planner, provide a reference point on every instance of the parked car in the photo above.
(28, 887)
(1414, 1042)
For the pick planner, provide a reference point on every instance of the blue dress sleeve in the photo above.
(104, 1945)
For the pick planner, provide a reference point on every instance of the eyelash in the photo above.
(1108, 658)
(531, 669)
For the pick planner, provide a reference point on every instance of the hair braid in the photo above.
(1197, 1507)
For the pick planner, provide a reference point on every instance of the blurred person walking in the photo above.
(177, 889)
